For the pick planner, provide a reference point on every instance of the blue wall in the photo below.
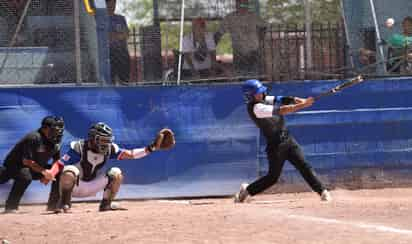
(218, 147)
(216, 143)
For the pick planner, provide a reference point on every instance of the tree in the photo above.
(140, 13)
(293, 11)
(137, 12)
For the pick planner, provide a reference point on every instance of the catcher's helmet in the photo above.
(251, 88)
(56, 128)
(100, 137)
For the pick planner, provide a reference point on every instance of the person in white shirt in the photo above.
(199, 52)
(246, 30)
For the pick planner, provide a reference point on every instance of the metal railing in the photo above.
(283, 56)
(285, 52)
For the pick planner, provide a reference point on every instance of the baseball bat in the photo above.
(340, 87)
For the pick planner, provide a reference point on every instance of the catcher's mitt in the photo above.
(165, 139)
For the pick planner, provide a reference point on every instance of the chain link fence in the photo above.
(191, 41)
(38, 43)
(379, 36)
(232, 40)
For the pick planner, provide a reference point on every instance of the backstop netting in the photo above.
(169, 42)
(38, 42)
(376, 47)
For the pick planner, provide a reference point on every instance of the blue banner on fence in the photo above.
(218, 146)
(216, 143)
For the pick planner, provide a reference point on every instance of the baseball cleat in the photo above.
(10, 211)
(325, 196)
(106, 205)
(241, 196)
(65, 209)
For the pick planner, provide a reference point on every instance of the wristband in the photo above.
(56, 167)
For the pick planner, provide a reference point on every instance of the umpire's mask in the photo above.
(55, 126)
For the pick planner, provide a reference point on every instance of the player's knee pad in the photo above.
(115, 174)
(115, 180)
(69, 177)
(73, 169)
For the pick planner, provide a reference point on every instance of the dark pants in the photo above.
(120, 65)
(54, 194)
(277, 155)
(247, 64)
(22, 178)
(188, 74)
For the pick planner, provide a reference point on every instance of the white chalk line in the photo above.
(174, 201)
(273, 201)
(376, 227)
(187, 202)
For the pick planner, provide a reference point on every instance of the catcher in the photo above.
(82, 175)
(267, 113)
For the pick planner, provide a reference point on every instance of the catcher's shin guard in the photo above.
(115, 180)
(105, 205)
(68, 180)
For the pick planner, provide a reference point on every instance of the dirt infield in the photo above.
(366, 216)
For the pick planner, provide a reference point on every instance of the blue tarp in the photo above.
(218, 146)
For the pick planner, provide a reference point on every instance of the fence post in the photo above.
(77, 52)
(308, 33)
(136, 70)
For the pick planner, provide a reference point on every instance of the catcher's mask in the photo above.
(55, 126)
(252, 87)
(100, 138)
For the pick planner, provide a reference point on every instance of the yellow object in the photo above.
(89, 9)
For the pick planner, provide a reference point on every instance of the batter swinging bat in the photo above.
(340, 87)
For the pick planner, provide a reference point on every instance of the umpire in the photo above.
(28, 160)
(267, 113)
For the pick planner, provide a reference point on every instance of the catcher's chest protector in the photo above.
(90, 162)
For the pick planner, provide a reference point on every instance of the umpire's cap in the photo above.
(52, 121)
(56, 128)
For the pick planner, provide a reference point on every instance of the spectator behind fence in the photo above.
(399, 50)
(399, 57)
(199, 52)
(246, 29)
(118, 36)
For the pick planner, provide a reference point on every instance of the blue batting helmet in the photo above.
(251, 88)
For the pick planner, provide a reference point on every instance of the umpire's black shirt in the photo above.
(34, 146)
